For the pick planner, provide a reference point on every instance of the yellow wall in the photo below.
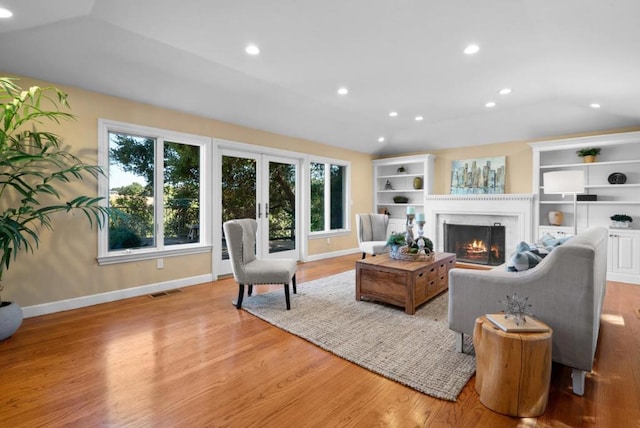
(518, 165)
(65, 266)
(519, 161)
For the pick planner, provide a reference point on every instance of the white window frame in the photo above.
(105, 256)
(326, 233)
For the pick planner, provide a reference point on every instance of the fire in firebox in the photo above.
(475, 244)
(477, 250)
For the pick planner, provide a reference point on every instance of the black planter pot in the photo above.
(10, 319)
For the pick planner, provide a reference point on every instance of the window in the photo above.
(155, 183)
(328, 197)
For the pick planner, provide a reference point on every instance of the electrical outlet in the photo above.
(328, 241)
(160, 263)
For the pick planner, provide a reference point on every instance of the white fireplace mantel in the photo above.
(513, 210)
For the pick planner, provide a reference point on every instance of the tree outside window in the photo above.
(328, 197)
(132, 190)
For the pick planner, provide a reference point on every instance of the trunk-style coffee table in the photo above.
(407, 284)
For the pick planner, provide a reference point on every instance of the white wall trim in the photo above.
(111, 296)
(332, 254)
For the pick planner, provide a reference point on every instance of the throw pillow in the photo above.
(523, 260)
(529, 254)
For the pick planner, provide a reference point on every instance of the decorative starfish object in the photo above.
(516, 307)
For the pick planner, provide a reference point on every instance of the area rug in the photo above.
(415, 350)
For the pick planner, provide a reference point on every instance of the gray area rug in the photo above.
(415, 350)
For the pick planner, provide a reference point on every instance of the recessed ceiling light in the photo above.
(505, 91)
(252, 50)
(419, 118)
(381, 140)
(471, 49)
(5, 13)
(490, 104)
(393, 114)
(343, 91)
(595, 105)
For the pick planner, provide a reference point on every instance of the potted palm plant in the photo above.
(589, 154)
(34, 168)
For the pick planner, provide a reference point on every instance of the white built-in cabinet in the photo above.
(396, 177)
(623, 263)
(620, 153)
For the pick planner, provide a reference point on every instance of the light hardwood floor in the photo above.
(192, 360)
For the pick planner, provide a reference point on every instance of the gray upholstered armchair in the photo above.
(249, 270)
(371, 230)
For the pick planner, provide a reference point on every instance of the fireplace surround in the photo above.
(514, 211)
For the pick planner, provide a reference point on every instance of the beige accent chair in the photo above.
(240, 236)
(371, 230)
(566, 290)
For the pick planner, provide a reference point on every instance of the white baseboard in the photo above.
(621, 277)
(111, 296)
(323, 256)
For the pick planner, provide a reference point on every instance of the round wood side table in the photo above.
(513, 370)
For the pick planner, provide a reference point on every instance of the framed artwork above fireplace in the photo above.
(478, 176)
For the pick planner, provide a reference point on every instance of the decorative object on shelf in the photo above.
(555, 218)
(566, 182)
(401, 170)
(620, 221)
(384, 211)
(478, 176)
(588, 155)
(400, 199)
(388, 185)
(587, 198)
(617, 178)
(516, 308)
(417, 183)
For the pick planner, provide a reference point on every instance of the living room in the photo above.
(65, 287)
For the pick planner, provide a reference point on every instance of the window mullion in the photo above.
(327, 197)
(159, 193)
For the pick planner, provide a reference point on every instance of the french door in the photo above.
(263, 187)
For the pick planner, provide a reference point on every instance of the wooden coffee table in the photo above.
(407, 284)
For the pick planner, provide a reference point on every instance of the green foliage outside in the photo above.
(135, 228)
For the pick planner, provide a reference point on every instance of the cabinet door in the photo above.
(624, 254)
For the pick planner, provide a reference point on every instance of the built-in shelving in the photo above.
(386, 170)
(619, 153)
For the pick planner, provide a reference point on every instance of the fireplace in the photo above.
(483, 245)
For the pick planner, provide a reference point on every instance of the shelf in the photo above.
(611, 186)
(401, 191)
(400, 176)
(587, 164)
(637, 202)
(606, 186)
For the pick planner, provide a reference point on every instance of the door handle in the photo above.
(266, 210)
(259, 211)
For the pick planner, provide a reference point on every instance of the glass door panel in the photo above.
(239, 191)
(281, 208)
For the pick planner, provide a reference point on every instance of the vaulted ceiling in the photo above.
(406, 56)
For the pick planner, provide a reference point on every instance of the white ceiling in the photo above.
(558, 57)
